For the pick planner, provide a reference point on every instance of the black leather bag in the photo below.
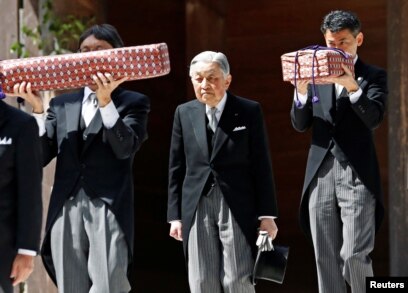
(271, 265)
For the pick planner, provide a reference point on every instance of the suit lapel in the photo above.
(72, 114)
(197, 118)
(328, 108)
(3, 113)
(227, 121)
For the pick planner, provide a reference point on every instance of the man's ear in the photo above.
(360, 39)
(228, 80)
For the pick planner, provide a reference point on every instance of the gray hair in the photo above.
(209, 57)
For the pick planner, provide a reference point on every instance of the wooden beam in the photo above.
(398, 135)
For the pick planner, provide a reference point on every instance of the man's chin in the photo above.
(204, 100)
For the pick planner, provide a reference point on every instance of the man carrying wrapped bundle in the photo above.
(94, 134)
(342, 204)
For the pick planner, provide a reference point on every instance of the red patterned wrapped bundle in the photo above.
(314, 63)
(75, 70)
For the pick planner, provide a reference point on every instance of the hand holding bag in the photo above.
(271, 260)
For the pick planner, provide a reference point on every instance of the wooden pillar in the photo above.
(398, 135)
(8, 27)
(9, 15)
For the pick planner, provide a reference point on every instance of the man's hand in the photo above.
(22, 268)
(105, 86)
(347, 80)
(301, 86)
(269, 225)
(175, 230)
(24, 91)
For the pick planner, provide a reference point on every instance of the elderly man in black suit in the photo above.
(94, 134)
(20, 196)
(221, 186)
(341, 203)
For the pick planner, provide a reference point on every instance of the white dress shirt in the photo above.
(109, 114)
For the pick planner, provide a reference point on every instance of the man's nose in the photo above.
(204, 83)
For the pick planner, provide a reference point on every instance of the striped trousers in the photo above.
(88, 247)
(342, 221)
(219, 257)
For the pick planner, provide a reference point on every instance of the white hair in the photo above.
(210, 57)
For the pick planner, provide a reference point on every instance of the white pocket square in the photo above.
(238, 128)
(5, 141)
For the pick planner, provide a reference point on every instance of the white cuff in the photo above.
(267, 217)
(302, 99)
(109, 115)
(174, 221)
(355, 96)
(40, 118)
(27, 252)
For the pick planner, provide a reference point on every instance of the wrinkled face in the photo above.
(209, 83)
(93, 44)
(344, 40)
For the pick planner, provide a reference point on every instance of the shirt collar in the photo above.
(87, 92)
(355, 59)
(220, 106)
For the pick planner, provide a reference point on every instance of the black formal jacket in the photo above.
(20, 184)
(350, 127)
(240, 163)
(102, 164)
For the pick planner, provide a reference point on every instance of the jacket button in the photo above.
(212, 165)
(83, 165)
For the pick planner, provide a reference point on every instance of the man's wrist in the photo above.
(38, 110)
(352, 89)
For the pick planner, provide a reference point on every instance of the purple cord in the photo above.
(2, 94)
(315, 98)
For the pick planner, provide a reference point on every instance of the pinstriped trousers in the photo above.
(342, 221)
(219, 257)
(88, 248)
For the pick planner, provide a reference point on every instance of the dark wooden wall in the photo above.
(158, 261)
(253, 34)
(398, 136)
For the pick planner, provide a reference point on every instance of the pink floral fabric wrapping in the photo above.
(326, 63)
(74, 70)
